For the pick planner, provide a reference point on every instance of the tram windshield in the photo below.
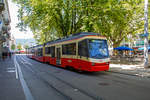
(98, 48)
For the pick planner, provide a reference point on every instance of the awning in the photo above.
(142, 48)
(123, 48)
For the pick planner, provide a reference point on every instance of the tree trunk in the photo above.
(116, 44)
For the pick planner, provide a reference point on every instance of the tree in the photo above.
(26, 46)
(51, 19)
(19, 47)
(13, 47)
(119, 20)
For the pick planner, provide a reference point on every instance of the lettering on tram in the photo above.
(84, 51)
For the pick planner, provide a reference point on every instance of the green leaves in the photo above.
(13, 47)
(51, 19)
(19, 47)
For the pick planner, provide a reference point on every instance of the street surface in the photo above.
(22, 78)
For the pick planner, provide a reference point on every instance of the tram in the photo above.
(83, 51)
(36, 52)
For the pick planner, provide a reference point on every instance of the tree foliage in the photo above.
(51, 19)
(19, 47)
(13, 47)
(26, 46)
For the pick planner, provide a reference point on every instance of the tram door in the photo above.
(58, 56)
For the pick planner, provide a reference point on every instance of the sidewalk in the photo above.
(136, 70)
(10, 87)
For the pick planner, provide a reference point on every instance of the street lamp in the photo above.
(146, 34)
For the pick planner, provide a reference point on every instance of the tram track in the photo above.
(119, 79)
(116, 80)
(122, 80)
(125, 85)
(47, 83)
(84, 92)
(91, 95)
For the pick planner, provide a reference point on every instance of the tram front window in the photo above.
(98, 49)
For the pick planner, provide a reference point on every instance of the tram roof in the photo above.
(73, 36)
(40, 45)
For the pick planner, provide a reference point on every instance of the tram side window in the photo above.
(32, 51)
(52, 49)
(47, 50)
(69, 49)
(40, 52)
(83, 48)
(35, 53)
(64, 49)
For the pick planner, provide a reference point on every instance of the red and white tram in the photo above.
(82, 51)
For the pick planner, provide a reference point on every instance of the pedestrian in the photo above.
(3, 55)
(9, 54)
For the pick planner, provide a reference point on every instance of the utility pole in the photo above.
(146, 34)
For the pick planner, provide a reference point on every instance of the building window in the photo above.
(69, 49)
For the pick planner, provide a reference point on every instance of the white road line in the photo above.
(26, 66)
(16, 70)
(26, 90)
(25, 60)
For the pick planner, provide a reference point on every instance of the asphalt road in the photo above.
(41, 81)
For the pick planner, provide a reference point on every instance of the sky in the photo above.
(14, 20)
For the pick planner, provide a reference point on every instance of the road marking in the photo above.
(16, 69)
(26, 90)
(22, 57)
(27, 60)
(26, 66)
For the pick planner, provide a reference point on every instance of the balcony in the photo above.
(1, 5)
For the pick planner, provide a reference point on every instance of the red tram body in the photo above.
(82, 51)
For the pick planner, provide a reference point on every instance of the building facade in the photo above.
(133, 42)
(11, 43)
(5, 20)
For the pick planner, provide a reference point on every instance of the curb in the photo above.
(123, 73)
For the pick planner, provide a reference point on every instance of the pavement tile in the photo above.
(10, 87)
(136, 71)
